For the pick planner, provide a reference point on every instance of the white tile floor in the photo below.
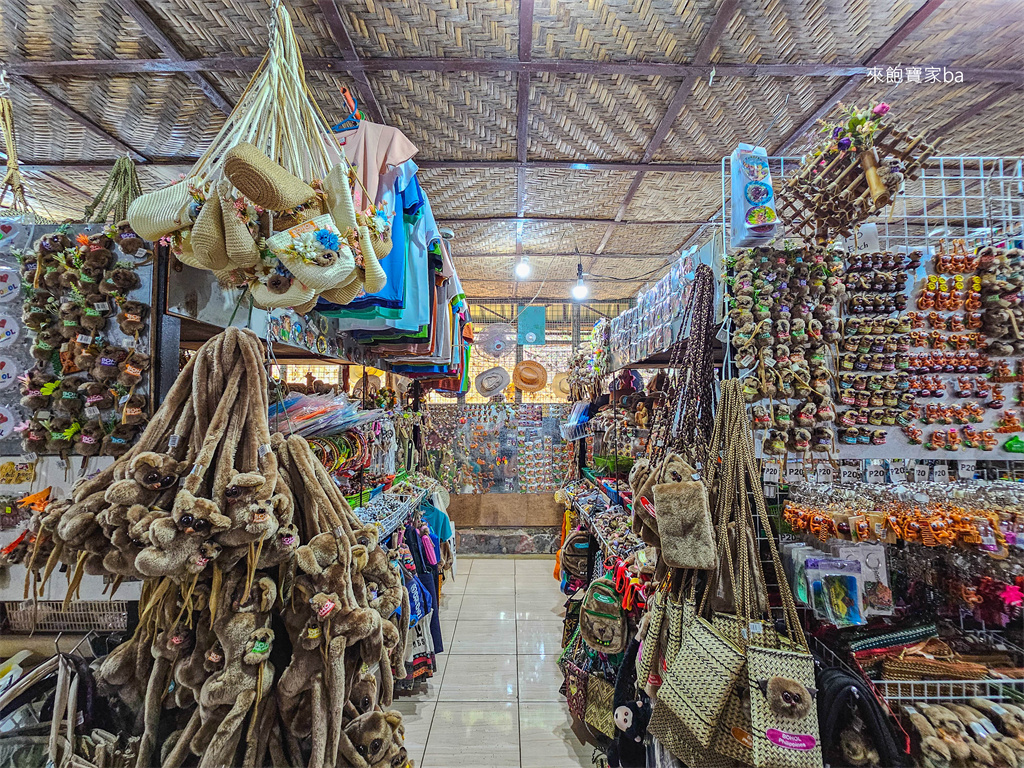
(494, 699)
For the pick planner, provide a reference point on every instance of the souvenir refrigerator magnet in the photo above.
(9, 330)
(10, 284)
(9, 371)
(7, 422)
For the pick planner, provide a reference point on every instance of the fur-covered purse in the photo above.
(684, 525)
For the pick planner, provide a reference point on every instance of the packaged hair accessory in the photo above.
(753, 197)
(835, 589)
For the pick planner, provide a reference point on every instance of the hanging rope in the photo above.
(12, 179)
(121, 188)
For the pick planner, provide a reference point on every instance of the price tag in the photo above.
(849, 473)
(28, 458)
(794, 473)
(173, 440)
(940, 473)
(825, 473)
(874, 473)
(43, 415)
(92, 412)
(83, 339)
(62, 464)
(898, 471)
(771, 490)
(920, 473)
(102, 306)
(965, 469)
(772, 473)
(141, 253)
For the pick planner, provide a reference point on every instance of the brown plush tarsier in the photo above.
(132, 319)
(377, 739)
(787, 698)
(177, 540)
(118, 441)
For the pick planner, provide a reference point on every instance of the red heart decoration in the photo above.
(6, 228)
(3, 419)
(3, 323)
(3, 364)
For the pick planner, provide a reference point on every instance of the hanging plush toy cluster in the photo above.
(269, 206)
(84, 390)
(248, 553)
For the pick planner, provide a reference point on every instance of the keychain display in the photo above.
(87, 324)
(784, 306)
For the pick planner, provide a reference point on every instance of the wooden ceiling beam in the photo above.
(559, 219)
(339, 33)
(701, 58)
(75, 116)
(915, 20)
(245, 64)
(155, 32)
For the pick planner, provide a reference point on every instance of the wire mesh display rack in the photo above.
(977, 199)
(50, 616)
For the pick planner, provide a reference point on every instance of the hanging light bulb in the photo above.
(580, 291)
(523, 268)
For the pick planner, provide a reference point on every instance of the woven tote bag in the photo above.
(649, 664)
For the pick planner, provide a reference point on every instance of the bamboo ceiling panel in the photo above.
(44, 134)
(483, 237)
(433, 28)
(575, 194)
(56, 30)
(968, 33)
(461, 116)
(525, 290)
(160, 115)
(646, 239)
(995, 131)
(741, 109)
(464, 192)
(201, 28)
(596, 117)
(802, 31)
(558, 237)
(620, 268)
(668, 196)
(494, 268)
(621, 30)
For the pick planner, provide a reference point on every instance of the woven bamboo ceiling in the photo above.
(544, 128)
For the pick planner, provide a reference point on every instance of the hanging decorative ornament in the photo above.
(495, 339)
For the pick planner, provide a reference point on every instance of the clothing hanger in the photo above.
(351, 122)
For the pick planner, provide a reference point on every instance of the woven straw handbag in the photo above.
(315, 253)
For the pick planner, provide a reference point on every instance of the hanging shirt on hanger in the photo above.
(376, 151)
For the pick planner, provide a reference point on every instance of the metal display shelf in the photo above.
(588, 523)
(409, 496)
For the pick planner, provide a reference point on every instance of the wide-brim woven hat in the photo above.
(530, 376)
(492, 381)
(372, 387)
(560, 383)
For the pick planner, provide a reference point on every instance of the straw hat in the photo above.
(208, 246)
(492, 381)
(530, 376)
(560, 383)
(372, 387)
(159, 213)
(262, 180)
